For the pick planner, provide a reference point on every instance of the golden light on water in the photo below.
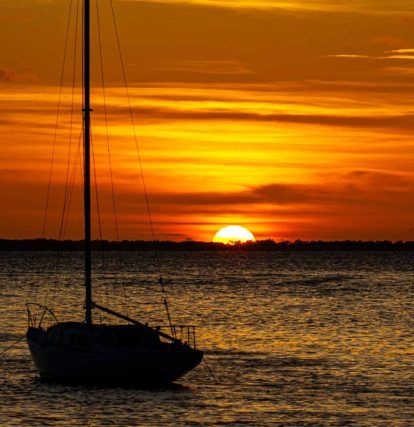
(233, 234)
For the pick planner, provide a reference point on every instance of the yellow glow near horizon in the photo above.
(293, 138)
(233, 234)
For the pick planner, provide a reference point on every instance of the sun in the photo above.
(233, 234)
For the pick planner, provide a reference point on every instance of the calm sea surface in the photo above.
(293, 339)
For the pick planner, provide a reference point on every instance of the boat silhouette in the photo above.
(134, 352)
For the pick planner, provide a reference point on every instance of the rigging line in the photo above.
(72, 182)
(167, 309)
(157, 258)
(106, 121)
(165, 301)
(71, 188)
(133, 124)
(56, 122)
(71, 123)
(52, 293)
(98, 209)
(109, 155)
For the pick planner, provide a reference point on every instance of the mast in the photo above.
(87, 162)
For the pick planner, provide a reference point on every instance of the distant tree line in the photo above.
(261, 245)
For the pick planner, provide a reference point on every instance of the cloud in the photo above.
(274, 193)
(390, 42)
(390, 55)
(401, 122)
(187, 41)
(239, 104)
(398, 56)
(8, 75)
(347, 55)
(399, 71)
(400, 7)
(402, 51)
(352, 187)
(206, 67)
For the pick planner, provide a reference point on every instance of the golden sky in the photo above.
(294, 119)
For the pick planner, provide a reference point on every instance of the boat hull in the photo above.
(137, 366)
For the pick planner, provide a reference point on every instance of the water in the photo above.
(297, 339)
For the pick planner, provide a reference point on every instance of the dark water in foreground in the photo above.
(293, 339)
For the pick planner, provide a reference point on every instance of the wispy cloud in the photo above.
(348, 56)
(395, 54)
(263, 104)
(370, 6)
(402, 51)
(401, 54)
(12, 76)
(351, 187)
(391, 42)
(220, 67)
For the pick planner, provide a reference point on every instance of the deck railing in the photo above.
(183, 333)
(35, 320)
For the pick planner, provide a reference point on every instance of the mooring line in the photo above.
(11, 346)
(210, 371)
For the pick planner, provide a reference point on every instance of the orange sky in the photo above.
(294, 119)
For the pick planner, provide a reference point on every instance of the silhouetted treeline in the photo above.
(261, 245)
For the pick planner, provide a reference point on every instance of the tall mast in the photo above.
(87, 162)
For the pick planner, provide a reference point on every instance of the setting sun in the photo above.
(233, 234)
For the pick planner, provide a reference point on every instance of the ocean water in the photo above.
(293, 339)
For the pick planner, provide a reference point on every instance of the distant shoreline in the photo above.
(192, 246)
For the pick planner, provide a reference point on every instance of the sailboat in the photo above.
(134, 352)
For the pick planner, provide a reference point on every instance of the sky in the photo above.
(292, 118)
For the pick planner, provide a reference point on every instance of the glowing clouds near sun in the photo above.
(233, 234)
